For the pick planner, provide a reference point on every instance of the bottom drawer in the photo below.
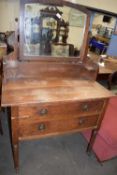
(34, 128)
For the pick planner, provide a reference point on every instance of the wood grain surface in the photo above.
(22, 92)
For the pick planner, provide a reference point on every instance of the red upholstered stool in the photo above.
(105, 146)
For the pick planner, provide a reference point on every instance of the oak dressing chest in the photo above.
(50, 86)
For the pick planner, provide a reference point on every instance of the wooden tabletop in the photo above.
(103, 39)
(23, 91)
(110, 66)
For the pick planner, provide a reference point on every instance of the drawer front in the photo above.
(28, 128)
(62, 110)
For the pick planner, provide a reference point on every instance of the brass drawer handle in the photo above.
(43, 112)
(85, 107)
(41, 127)
(82, 121)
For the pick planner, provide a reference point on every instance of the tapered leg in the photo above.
(15, 148)
(14, 137)
(92, 140)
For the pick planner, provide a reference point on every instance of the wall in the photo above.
(98, 20)
(9, 10)
(75, 32)
(108, 5)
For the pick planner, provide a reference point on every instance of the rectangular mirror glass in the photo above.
(53, 31)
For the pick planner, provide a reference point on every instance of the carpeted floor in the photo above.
(62, 155)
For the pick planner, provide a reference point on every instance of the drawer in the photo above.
(61, 110)
(28, 128)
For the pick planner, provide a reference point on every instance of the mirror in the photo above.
(52, 31)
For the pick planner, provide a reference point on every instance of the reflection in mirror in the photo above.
(53, 31)
(101, 32)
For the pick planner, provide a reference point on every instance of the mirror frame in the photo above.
(84, 48)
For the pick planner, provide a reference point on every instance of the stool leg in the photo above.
(1, 130)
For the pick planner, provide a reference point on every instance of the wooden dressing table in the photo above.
(51, 95)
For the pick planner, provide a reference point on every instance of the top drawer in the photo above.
(60, 110)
